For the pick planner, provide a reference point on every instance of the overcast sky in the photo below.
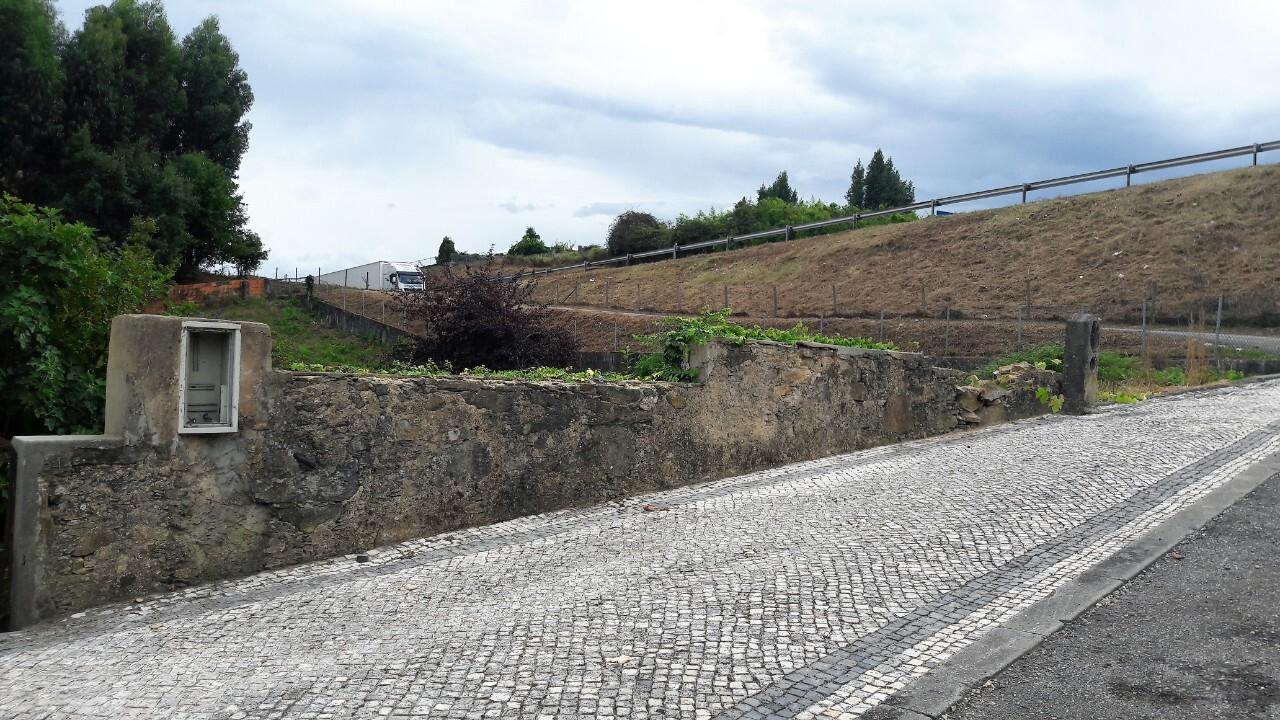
(380, 127)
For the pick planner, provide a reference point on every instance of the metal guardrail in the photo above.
(1127, 172)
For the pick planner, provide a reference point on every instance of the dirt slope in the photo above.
(1193, 238)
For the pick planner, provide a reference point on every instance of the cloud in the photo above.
(515, 208)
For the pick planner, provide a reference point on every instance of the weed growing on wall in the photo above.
(671, 346)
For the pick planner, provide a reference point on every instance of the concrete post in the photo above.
(1080, 363)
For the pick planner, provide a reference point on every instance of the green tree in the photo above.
(884, 186)
(446, 251)
(122, 71)
(217, 97)
(633, 231)
(155, 130)
(856, 195)
(780, 189)
(530, 244)
(58, 293)
(30, 97)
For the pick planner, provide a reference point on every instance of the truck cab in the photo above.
(405, 277)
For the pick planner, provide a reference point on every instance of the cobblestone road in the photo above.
(813, 590)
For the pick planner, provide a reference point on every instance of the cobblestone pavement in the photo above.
(812, 590)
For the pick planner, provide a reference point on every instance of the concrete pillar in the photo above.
(1080, 363)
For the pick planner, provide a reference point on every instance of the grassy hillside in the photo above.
(1193, 237)
(296, 335)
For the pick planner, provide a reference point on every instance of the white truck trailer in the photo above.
(381, 275)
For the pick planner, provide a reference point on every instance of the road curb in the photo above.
(945, 685)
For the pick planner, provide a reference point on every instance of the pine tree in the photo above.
(780, 189)
(856, 195)
(884, 187)
(446, 252)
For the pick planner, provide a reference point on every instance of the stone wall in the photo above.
(342, 463)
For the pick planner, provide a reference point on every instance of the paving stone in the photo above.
(816, 590)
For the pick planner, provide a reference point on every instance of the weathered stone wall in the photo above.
(345, 463)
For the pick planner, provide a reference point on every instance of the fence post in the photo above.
(1080, 363)
(615, 336)
(1217, 335)
(834, 311)
(1028, 288)
(946, 333)
(775, 301)
(923, 311)
(607, 283)
(1145, 359)
(726, 297)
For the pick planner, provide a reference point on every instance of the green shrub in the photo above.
(671, 346)
(58, 292)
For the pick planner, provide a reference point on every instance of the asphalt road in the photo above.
(1197, 635)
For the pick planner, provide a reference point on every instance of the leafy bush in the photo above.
(1169, 376)
(58, 293)
(479, 317)
(633, 232)
(530, 244)
(671, 346)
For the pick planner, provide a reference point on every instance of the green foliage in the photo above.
(530, 244)
(633, 232)
(120, 123)
(856, 195)
(1054, 402)
(297, 337)
(780, 190)
(446, 251)
(671, 346)
(30, 96)
(58, 293)
(217, 98)
(1047, 356)
(879, 186)
(1173, 377)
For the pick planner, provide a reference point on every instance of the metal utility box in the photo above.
(209, 377)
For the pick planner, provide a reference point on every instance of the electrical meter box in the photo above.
(209, 377)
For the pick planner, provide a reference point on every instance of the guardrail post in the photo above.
(628, 258)
(675, 250)
(933, 208)
(1128, 176)
(791, 233)
(1025, 187)
(1256, 148)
